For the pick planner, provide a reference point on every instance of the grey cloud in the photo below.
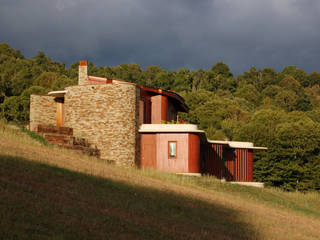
(168, 33)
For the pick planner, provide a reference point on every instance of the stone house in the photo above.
(125, 122)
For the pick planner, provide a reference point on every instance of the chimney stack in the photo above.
(83, 73)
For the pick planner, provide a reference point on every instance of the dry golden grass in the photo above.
(257, 213)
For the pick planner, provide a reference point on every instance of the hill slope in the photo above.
(47, 193)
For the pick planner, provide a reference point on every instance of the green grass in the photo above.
(44, 202)
(50, 193)
(35, 136)
(308, 203)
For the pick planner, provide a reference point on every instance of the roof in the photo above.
(192, 128)
(57, 93)
(159, 91)
(170, 128)
(235, 144)
(168, 94)
(171, 94)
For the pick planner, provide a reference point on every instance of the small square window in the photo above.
(172, 149)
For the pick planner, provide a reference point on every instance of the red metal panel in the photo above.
(229, 169)
(147, 111)
(158, 109)
(213, 160)
(244, 171)
(194, 153)
(250, 166)
(228, 163)
(148, 151)
(141, 112)
(164, 104)
(178, 164)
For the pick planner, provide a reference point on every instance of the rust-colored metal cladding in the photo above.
(177, 164)
(147, 112)
(182, 107)
(164, 104)
(160, 106)
(141, 111)
(250, 165)
(194, 153)
(233, 164)
(148, 151)
(158, 109)
(213, 155)
(243, 165)
(229, 164)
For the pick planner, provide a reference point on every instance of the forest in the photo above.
(278, 110)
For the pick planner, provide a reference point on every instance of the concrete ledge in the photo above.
(250, 184)
(190, 174)
(145, 128)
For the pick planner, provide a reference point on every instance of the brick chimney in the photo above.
(83, 73)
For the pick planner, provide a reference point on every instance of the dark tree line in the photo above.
(279, 110)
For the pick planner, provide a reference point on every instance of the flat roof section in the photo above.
(192, 128)
(235, 144)
(148, 128)
(57, 93)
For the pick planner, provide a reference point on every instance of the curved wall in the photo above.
(107, 115)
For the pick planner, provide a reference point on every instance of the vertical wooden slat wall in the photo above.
(214, 160)
(228, 163)
(244, 171)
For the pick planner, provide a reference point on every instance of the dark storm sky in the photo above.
(169, 33)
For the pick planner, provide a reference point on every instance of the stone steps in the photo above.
(63, 137)
(57, 138)
(54, 129)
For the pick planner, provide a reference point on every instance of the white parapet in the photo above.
(250, 184)
(170, 128)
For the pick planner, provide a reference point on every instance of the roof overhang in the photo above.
(177, 97)
(57, 93)
(238, 145)
(170, 128)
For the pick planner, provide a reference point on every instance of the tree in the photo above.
(182, 80)
(196, 79)
(271, 91)
(221, 69)
(293, 145)
(286, 99)
(248, 92)
(150, 75)
(62, 82)
(314, 79)
(46, 80)
(163, 80)
(297, 74)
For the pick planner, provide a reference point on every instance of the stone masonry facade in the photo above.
(43, 110)
(108, 116)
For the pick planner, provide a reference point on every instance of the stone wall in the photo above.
(43, 110)
(107, 115)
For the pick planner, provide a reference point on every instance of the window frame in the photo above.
(176, 150)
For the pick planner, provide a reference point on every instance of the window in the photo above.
(172, 149)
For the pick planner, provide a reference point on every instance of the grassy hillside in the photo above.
(47, 193)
